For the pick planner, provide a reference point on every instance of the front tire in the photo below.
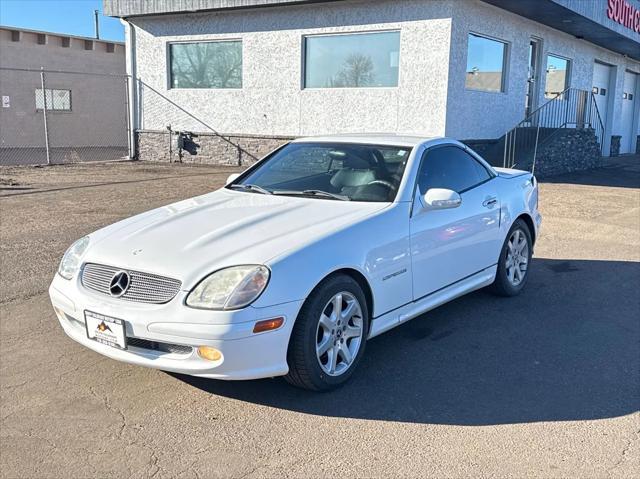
(329, 336)
(515, 258)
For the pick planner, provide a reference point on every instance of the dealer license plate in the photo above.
(105, 329)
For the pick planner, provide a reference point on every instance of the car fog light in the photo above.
(209, 353)
(268, 325)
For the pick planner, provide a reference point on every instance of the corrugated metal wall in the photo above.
(124, 8)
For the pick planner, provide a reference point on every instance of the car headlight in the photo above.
(71, 260)
(230, 288)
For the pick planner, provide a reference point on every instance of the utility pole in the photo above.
(95, 22)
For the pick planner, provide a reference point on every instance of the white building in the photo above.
(260, 70)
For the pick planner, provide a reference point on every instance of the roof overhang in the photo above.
(137, 8)
(580, 18)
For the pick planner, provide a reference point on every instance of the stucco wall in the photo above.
(272, 101)
(474, 114)
(431, 98)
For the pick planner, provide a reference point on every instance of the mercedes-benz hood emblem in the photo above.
(119, 284)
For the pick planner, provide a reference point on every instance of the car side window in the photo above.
(452, 168)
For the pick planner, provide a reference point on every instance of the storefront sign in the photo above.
(624, 13)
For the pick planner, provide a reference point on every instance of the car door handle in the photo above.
(489, 202)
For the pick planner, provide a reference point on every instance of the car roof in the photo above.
(370, 138)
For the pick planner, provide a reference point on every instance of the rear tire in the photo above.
(514, 262)
(329, 335)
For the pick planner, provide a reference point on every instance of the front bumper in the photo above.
(245, 355)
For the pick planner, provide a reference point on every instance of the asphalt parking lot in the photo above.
(546, 384)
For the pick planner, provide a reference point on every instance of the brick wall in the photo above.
(206, 148)
(570, 149)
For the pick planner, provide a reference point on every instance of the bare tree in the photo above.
(357, 70)
(205, 65)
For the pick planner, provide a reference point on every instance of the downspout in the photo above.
(130, 35)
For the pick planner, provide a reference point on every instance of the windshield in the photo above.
(338, 171)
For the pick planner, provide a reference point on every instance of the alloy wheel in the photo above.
(517, 260)
(339, 334)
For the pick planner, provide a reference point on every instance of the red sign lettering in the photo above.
(624, 13)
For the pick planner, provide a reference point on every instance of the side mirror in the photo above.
(232, 177)
(441, 199)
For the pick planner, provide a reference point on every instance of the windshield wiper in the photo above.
(252, 188)
(320, 193)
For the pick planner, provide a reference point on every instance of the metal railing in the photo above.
(571, 108)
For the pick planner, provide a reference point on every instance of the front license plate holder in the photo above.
(106, 330)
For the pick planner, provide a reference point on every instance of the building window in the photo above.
(486, 60)
(41, 38)
(65, 42)
(88, 44)
(206, 64)
(353, 60)
(557, 76)
(111, 48)
(57, 100)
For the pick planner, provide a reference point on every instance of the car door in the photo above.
(448, 245)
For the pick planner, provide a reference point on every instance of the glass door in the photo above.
(531, 99)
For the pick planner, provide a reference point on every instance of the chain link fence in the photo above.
(52, 117)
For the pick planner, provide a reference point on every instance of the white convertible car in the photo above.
(296, 262)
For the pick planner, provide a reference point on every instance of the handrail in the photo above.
(600, 124)
(595, 104)
(543, 105)
(569, 107)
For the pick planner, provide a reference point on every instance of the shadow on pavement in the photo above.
(33, 191)
(619, 172)
(566, 349)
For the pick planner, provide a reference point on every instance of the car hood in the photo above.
(195, 237)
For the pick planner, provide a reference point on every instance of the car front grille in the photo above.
(143, 287)
(156, 346)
